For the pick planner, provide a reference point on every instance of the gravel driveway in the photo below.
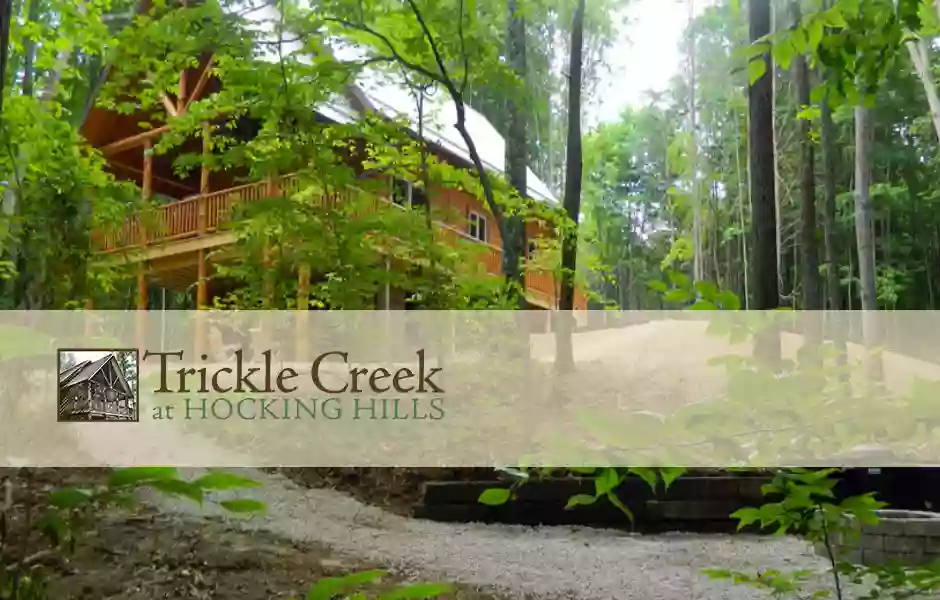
(548, 562)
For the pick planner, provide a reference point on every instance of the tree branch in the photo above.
(388, 44)
(463, 51)
(430, 38)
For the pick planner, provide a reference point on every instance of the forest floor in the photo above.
(149, 554)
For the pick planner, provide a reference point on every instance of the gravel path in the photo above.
(549, 562)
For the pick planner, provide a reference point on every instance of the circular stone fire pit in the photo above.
(907, 537)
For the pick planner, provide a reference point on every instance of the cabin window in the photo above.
(532, 249)
(477, 227)
(418, 197)
(401, 192)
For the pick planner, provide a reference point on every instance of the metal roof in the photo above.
(89, 369)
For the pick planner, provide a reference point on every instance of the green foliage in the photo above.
(349, 586)
(607, 480)
(69, 513)
(804, 504)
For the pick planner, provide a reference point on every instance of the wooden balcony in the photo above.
(204, 216)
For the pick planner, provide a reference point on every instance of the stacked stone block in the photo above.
(901, 537)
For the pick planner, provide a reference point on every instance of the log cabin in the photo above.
(178, 253)
(96, 391)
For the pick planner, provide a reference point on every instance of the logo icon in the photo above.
(98, 385)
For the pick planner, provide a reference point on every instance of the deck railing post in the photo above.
(301, 343)
(203, 179)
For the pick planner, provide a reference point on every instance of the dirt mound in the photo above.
(397, 490)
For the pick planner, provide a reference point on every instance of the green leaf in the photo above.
(327, 589)
(746, 516)
(137, 475)
(658, 286)
(833, 18)
(755, 70)
(177, 487)
(495, 496)
(703, 305)
(620, 505)
(729, 301)
(678, 296)
(583, 470)
(814, 34)
(580, 500)
(55, 528)
(418, 590)
(69, 498)
(782, 52)
(679, 279)
(607, 481)
(646, 474)
(243, 505)
(670, 474)
(707, 290)
(218, 480)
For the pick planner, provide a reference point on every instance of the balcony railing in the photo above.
(204, 214)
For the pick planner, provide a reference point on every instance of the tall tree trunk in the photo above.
(920, 56)
(778, 197)
(761, 149)
(514, 243)
(810, 257)
(564, 359)
(6, 14)
(29, 51)
(864, 232)
(865, 238)
(697, 259)
(833, 287)
(742, 198)
(764, 278)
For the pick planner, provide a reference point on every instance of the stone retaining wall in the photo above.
(905, 537)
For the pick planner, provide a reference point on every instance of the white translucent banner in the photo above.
(480, 388)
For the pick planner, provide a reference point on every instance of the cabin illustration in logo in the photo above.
(98, 390)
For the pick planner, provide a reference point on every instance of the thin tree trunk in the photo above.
(29, 51)
(741, 200)
(920, 55)
(864, 234)
(564, 359)
(829, 206)
(6, 14)
(778, 232)
(809, 252)
(697, 258)
(514, 242)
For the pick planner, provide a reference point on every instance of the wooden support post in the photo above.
(202, 295)
(141, 287)
(268, 278)
(303, 287)
(204, 180)
(141, 315)
(268, 285)
(201, 330)
(146, 188)
(301, 341)
(181, 99)
(147, 183)
(89, 305)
